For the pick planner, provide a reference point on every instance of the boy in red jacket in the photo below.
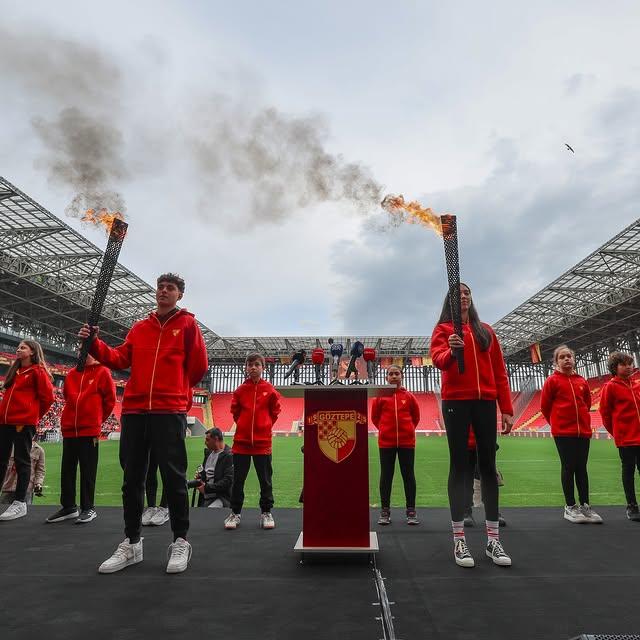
(565, 404)
(28, 394)
(255, 408)
(620, 411)
(90, 396)
(396, 418)
(167, 357)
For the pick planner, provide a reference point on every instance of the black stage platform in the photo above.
(248, 584)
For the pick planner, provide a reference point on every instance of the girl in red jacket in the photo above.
(396, 418)
(469, 400)
(28, 394)
(565, 404)
(620, 411)
(255, 408)
(90, 396)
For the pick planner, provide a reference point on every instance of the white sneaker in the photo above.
(147, 514)
(267, 521)
(160, 517)
(14, 511)
(574, 514)
(497, 554)
(179, 554)
(124, 555)
(590, 515)
(462, 555)
(232, 521)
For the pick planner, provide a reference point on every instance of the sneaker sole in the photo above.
(499, 562)
(63, 518)
(384, 524)
(574, 521)
(22, 515)
(413, 524)
(465, 564)
(78, 521)
(159, 524)
(116, 569)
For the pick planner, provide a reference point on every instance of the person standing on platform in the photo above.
(90, 396)
(469, 401)
(396, 418)
(28, 394)
(168, 357)
(565, 405)
(255, 407)
(620, 411)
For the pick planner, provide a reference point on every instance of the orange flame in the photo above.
(102, 217)
(412, 212)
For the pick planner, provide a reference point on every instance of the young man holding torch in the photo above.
(167, 357)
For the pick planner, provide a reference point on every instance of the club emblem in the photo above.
(175, 332)
(337, 432)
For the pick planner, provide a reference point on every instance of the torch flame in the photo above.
(101, 217)
(411, 212)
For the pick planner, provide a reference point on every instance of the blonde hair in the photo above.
(37, 357)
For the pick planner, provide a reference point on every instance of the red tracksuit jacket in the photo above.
(90, 396)
(255, 408)
(166, 362)
(620, 410)
(28, 398)
(396, 418)
(565, 404)
(485, 374)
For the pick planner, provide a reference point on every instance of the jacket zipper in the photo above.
(475, 357)
(633, 395)
(78, 403)
(155, 361)
(253, 414)
(395, 400)
(575, 404)
(6, 411)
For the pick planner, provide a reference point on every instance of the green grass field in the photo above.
(530, 467)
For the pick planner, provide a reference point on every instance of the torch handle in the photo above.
(109, 262)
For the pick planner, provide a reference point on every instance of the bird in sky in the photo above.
(569, 147)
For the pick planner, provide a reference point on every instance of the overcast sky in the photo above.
(249, 142)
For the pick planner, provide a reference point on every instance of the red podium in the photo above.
(335, 515)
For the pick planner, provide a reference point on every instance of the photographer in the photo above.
(35, 482)
(215, 480)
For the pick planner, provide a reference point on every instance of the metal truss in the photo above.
(592, 305)
(48, 274)
(234, 350)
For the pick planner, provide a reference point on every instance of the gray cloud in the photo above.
(520, 229)
(278, 161)
(74, 92)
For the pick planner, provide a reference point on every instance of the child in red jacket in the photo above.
(90, 396)
(28, 394)
(565, 404)
(396, 418)
(620, 411)
(255, 408)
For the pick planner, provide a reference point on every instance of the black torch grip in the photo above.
(84, 349)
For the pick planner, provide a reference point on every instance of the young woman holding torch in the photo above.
(469, 401)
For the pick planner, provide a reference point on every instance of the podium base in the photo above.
(372, 548)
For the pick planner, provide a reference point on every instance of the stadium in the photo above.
(48, 274)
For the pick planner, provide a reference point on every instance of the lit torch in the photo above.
(117, 233)
(446, 227)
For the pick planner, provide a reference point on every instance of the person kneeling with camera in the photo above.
(215, 478)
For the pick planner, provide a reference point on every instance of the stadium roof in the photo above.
(235, 349)
(590, 305)
(48, 274)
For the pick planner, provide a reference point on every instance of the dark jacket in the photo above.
(220, 486)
